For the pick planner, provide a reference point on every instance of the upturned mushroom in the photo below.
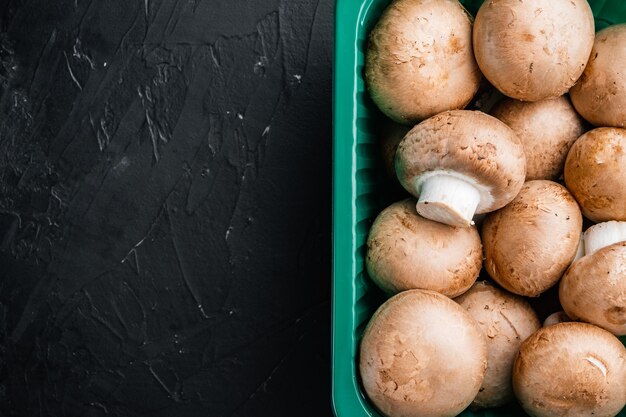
(573, 370)
(422, 355)
(594, 289)
(420, 60)
(604, 234)
(600, 94)
(547, 130)
(460, 163)
(530, 243)
(595, 173)
(406, 251)
(507, 320)
(526, 48)
(556, 318)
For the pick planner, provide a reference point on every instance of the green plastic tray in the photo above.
(357, 196)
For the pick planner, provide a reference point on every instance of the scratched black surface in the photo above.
(165, 207)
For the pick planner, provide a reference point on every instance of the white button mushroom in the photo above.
(406, 251)
(594, 289)
(533, 49)
(571, 370)
(530, 243)
(420, 60)
(459, 163)
(422, 355)
(595, 173)
(600, 94)
(547, 130)
(507, 320)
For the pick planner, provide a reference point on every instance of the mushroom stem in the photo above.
(604, 234)
(448, 199)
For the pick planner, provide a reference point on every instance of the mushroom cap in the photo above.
(547, 129)
(420, 60)
(600, 94)
(556, 318)
(406, 251)
(526, 48)
(530, 243)
(422, 355)
(594, 289)
(595, 173)
(571, 370)
(507, 320)
(474, 145)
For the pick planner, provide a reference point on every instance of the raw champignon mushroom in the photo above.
(507, 320)
(547, 130)
(422, 355)
(571, 370)
(556, 318)
(600, 94)
(530, 243)
(460, 163)
(406, 251)
(420, 60)
(595, 173)
(534, 49)
(604, 234)
(594, 289)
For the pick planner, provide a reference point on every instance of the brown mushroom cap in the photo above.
(422, 355)
(594, 289)
(547, 130)
(530, 243)
(507, 320)
(470, 143)
(420, 60)
(534, 49)
(600, 94)
(406, 251)
(571, 370)
(595, 173)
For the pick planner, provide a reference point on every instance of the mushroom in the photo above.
(571, 370)
(604, 234)
(420, 60)
(507, 320)
(595, 173)
(547, 129)
(459, 163)
(406, 251)
(556, 318)
(594, 289)
(600, 94)
(422, 355)
(530, 243)
(526, 49)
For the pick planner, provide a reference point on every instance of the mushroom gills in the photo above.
(448, 198)
(604, 234)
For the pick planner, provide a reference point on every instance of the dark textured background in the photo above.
(165, 207)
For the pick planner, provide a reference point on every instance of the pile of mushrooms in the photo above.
(500, 205)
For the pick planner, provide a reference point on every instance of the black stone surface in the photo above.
(165, 190)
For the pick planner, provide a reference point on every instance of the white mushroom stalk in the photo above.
(448, 199)
(604, 234)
